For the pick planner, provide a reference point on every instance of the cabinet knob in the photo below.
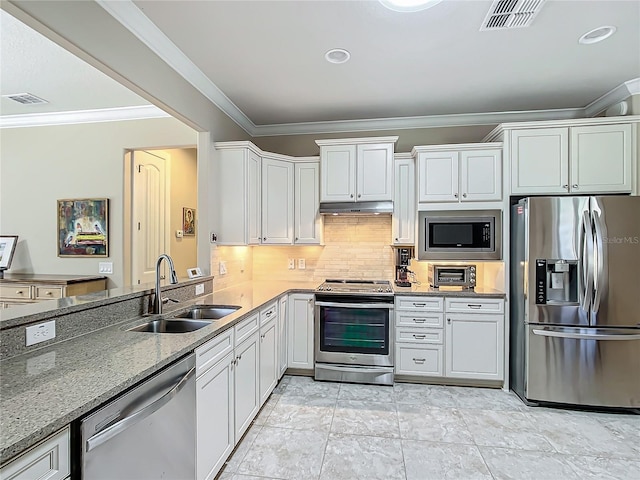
(464, 195)
(264, 238)
(396, 239)
(296, 239)
(351, 195)
(455, 195)
(18, 292)
(359, 195)
(448, 320)
(575, 185)
(49, 293)
(565, 186)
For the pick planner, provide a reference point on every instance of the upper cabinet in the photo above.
(356, 169)
(586, 156)
(459, 173)
(264, 198)
(403, 220)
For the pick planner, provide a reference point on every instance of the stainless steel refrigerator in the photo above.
(575, 300)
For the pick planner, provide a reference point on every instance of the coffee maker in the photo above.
(403, 256)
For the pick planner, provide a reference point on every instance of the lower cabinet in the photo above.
(48, 460)
(283, 311)
(269, 364)
(247, 388)
(300, 326)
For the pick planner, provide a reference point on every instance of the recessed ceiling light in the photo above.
(597, 35)
(409, 5)
(337, 55)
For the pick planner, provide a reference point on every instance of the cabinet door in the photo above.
(481, 175)
(474, 346)
(214, 415)
(300, 327)
(374, 172)
(282, 336)
(540, 161)
(247, 389)
(403, 222)
(253, 198)
(438, 177)
(601, 159)
(268, 359)
(307, 197)
(277, 201)
(337, 173)
(423, 360)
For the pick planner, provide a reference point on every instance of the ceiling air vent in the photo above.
(25, 98)
(511, 14)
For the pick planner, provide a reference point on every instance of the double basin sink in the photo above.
(193, 319)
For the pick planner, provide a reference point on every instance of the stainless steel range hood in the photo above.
(357, 208)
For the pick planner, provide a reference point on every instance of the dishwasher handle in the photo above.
(130, 420)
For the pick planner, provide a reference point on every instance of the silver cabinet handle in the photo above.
(455, 195)
(575, 185)
(268, 314)
(419, 304)
(464, 195)
(419, 360)
(419, 336)
(474, 305)
(419, 320)
(110, 432)
(565, 186)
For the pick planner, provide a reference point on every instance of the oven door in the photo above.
(354, 330)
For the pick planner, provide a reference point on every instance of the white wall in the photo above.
(40, 165)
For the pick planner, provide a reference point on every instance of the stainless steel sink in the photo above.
(175, 325)
(211, 312)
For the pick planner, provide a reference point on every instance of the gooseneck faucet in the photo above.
(158, 300)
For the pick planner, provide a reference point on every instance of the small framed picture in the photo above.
(83, 229)
(189, 221)
(194, 272)
(7, 248)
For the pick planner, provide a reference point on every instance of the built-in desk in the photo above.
(21, 288)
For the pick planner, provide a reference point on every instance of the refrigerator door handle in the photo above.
(586, 259)
(587, 336)
(599, 275)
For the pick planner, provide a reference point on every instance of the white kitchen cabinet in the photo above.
(283, 311)
(307, 222)
(215, 407)
(356, 169)
(235, 178)
(459, 173)
(300, 326)
(403, 221)
(572, 160)
(474, 333)
(50, 460)
(247, 388)
(277, 201)
(268, 359)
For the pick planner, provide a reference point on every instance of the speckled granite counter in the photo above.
(425, 289)
(43, 391)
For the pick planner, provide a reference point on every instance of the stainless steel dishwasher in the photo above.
(147, 433)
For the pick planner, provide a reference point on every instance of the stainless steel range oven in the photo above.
(354, 331)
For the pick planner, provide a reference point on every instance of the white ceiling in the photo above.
(267, 57)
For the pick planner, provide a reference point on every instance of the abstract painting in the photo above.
(83, 227)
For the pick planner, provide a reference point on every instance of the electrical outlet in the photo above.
(40, 333)
(292, 264)
(200, 289)
(105, 267)
(302, 264)
(223, 267)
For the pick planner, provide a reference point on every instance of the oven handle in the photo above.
(388, 306)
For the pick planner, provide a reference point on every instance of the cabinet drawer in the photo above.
(427, 304)
(419, 335)
(16, 291)
(44, 292)
(424, 360)
(207, 355)
(419, 319)
(268, 313)
(49, 459)
(245, 328)
(478, 305)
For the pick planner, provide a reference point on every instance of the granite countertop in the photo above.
(42, 391)
(426, 289)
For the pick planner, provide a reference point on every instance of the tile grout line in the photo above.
(404, 461)
(475, 443)
(324, 453)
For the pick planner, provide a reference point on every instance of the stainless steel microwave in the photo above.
(460, 235)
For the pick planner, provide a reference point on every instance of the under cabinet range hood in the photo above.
(357, 208)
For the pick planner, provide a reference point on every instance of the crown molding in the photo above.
(618, 94)
(143, 112)
(132, 18)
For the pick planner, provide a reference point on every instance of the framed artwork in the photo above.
(7, 248)
(83, 227)
(189, 221)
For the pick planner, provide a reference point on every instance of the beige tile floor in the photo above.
(330, 431)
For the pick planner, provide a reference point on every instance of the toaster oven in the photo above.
(452, 276)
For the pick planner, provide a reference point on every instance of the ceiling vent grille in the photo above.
(511, 14)
(25, 98)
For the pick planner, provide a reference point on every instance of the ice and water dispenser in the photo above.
(556, 281)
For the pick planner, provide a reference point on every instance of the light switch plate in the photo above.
(302, 264)
(223, 267)
(200, 289)
(105, 268)
(292, 263)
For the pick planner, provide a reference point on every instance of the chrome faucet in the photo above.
(158, 300)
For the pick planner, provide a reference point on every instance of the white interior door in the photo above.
(149, 213)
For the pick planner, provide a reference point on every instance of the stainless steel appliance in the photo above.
(147, 433)
(354, 331)
(575, 300)
(356, 208)
(452, 276)
(403, 257)
(460, 235)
